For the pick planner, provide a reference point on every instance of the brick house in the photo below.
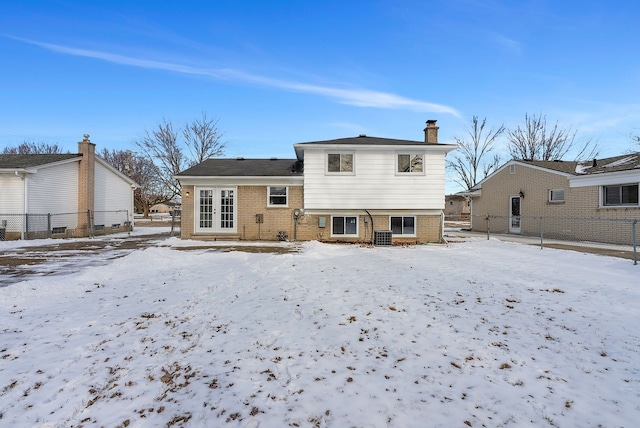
(335, 190)
(601, 188)
(457, 207)
(44, 195)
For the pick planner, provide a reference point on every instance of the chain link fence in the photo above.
(607, 233)
(63, 225)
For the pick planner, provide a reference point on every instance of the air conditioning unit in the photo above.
(382, 237)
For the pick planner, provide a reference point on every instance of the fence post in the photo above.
(541, 232)
(488, 226)
(48, 225)
(635, 246)
(90, 224)
(26, 226)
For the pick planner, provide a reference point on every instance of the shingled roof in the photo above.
(241, 167)
(364, 140)
(28, 161)
(597, 166)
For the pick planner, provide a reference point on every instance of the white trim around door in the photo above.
(215, 210)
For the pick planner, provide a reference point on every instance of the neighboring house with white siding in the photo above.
(62, 194)
(334, 190)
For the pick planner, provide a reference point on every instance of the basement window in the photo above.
(344, 226)
(403, 225)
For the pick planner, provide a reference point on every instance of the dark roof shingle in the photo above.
(28, 161)
(597, 166)
(242, 167)
(373, 141)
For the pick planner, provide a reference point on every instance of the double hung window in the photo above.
(278, 196)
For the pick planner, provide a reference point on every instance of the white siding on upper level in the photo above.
(53, 189)
(375, 184)
(112, 193)
(11, 194)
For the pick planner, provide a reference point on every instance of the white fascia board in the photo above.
(241, 181)
(606, 178)
(301, 148)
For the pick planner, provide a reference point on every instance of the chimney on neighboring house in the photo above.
(86, 184)
(431, 132)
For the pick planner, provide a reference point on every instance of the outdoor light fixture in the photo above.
(521, 194)
(187, 194)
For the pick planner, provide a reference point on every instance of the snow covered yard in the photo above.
(479, 334)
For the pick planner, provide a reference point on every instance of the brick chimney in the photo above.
(86, 183)
(431, 132)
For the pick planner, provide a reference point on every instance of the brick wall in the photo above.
(252, 201)
(579, 202)
(86, 184)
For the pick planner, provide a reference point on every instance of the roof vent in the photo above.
(240, 158)
(595, 163)
(274, 158)
(362, 135)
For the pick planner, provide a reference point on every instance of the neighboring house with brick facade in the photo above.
(335, 190)
(601, 188)
(77, 194)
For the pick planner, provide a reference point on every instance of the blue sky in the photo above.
(282, 72)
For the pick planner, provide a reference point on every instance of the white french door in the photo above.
(215, 210)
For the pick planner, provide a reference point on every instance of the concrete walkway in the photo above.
(614, 250)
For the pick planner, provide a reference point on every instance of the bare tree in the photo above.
(474, 161)
(537, 141)
(150, 190)
(30, 148)
(161, 146)
(202, 140)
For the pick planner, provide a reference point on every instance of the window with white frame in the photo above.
(340, 162)
(410, 163)
(344, 225)
(556, 195)
(403, 225)
(622, 194)
(278, 196)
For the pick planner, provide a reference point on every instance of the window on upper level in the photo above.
(278, 196)
(410, 163)
(340, 162)
(623, 194)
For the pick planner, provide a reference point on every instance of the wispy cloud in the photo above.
(351, 96)
(508, 44)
